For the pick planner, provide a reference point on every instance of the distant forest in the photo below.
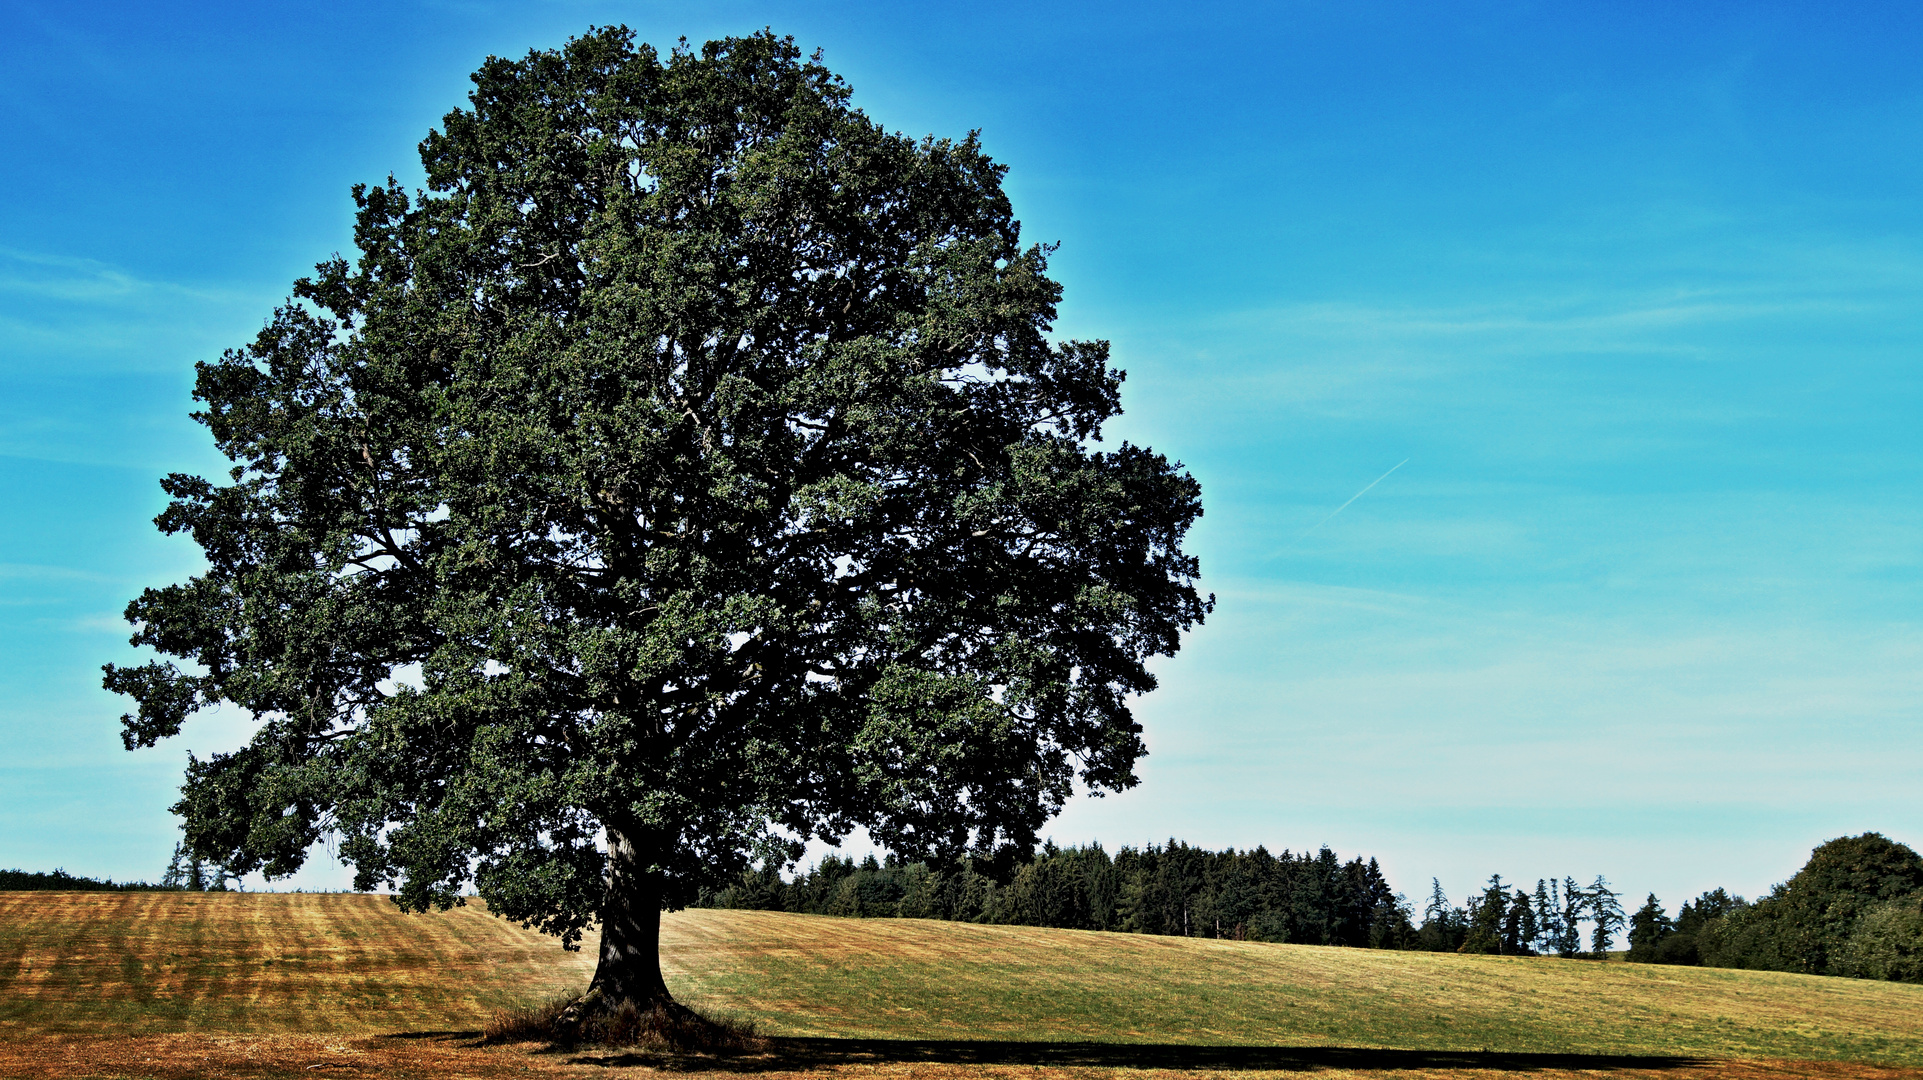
(1856, 909)
(187, 872)
(43, 881)
(1177, 889)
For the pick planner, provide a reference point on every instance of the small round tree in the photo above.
(687, 474)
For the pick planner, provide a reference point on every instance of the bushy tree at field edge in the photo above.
(690, 472)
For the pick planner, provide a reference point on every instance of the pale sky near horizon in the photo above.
(1624, 300)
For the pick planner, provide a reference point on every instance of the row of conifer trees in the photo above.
(1558, 918)
(1176, 889)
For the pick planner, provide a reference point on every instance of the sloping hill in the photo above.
(276, 985)
(814, 976)
(140, 963)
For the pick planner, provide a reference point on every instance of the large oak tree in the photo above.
(687, 473)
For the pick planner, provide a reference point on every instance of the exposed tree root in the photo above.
(665, 1026)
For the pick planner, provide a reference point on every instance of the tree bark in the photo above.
(629, 966)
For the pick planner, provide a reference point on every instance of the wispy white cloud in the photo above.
(64, 316)
(1566, 325)
(89, 281)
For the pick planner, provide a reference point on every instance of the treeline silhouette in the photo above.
(1177, 889)
(1557, 918)
(1856, 909)
(61, 881)
(186, 872)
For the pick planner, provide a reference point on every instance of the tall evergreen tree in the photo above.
(1547, 911)
(1649, 929)
(1607, 912)
(1485, 912)
(1575, 905)
(1519, 926)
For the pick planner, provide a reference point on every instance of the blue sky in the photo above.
(1630, 291)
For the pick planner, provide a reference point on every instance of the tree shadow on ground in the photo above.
(787, 1054)
(433, 1036)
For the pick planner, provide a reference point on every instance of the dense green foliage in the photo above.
(1176, 889)
(61, 881)
(1886, 943)
(1654, 938)
(1856, 909)
(690, 472)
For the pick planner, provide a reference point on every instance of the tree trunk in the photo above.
(629, 968)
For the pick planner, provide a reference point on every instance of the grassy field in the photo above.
(806, 975)
(265, 985)
(154, 963)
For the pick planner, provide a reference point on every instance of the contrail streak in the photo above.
(1344, 506)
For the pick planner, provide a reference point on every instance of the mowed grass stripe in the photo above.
(156, 963)
(912, 979)
(149, 963)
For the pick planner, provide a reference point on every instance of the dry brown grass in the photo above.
(153, 963)
(571, 1022)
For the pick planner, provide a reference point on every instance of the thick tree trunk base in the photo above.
(628, 1003)
(598, 1001)
(627, 969)
(665, 1025)
(591, 1020)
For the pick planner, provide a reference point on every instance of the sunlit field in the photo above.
(269, 985)
(876, 978)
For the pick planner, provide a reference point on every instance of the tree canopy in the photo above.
(1806, 923)
(689, 472)
(1855, 909)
